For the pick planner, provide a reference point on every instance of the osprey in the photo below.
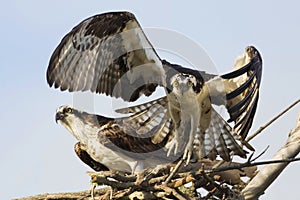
(109, 53)
(105, 143)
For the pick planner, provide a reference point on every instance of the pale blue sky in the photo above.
(37, 154)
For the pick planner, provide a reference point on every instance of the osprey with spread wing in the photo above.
(109, 53)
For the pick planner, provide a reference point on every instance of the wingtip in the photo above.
(48, 79)
(253, 52)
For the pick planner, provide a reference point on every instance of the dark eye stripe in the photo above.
(67, 110)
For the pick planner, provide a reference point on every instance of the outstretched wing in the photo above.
(107, 53)
(133, 135)
(240, 90)
(152, 119)
(153, 115)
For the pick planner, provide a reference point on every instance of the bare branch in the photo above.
(174, 171)
(169, 191)
(269, 173)
(219, 190)
(83, 195)
(250, 164)
(271, 121)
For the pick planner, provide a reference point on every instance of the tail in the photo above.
(217, 139)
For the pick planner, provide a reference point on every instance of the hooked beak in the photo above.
(59, 116)
(183, 88)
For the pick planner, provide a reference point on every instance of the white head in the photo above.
(184, 84)
(81, 124)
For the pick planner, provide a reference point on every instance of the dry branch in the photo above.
(153, 183)
(271, 121)
(83, 195)
(269, 173)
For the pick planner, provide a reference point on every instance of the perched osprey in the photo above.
(104, 143)
(109, 53)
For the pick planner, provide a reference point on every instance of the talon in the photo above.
(188, 158)
(176, 148)
(184, 155)
(169, 151)
(188, 153)
(171, 145)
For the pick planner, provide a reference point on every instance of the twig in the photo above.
(262, 153)
(271, 121)
(181, 181)
(169, 190)
(157, 179)
(67, 195)
(115, 175)
(114, 184)
(174, 171)
(248, 164)
(218, 190)
(120, 194)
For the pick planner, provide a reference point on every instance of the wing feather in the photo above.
(240, 90)
(148, 116)
(84, 156)
(137, 130)
(107, 53)
(217, 139)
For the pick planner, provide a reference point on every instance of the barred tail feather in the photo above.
(217, 140)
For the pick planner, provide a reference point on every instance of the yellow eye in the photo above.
(190, 83)
(69, 110)
(175, 84)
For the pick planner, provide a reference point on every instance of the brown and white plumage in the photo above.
(109, 53)
(81, 152)
(107, 143)
(216, 139)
